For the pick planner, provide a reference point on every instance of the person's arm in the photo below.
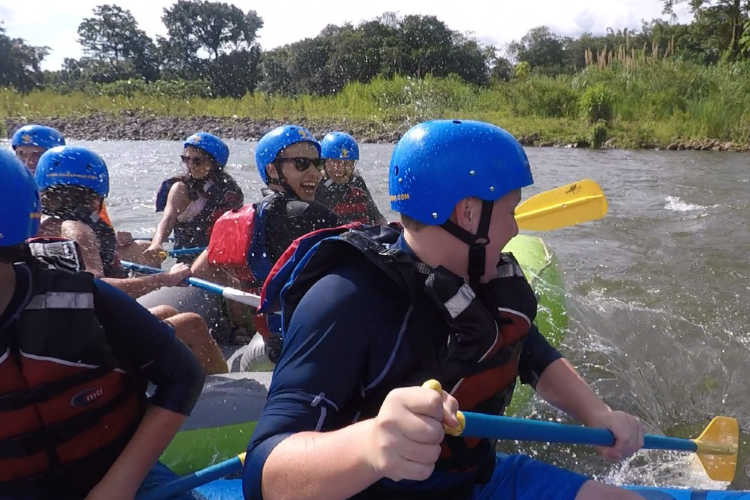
(149, 347)
(562, 386)
(87, 241)
(177, 201)
(151, 437)
(302, 447)
(402, 442)
(202, 268)
(141, 285)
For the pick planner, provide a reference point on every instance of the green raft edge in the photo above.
(198, 448)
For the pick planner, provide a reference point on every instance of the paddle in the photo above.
(227, 292)
(716, 447)
(195, 479)
(566, 205)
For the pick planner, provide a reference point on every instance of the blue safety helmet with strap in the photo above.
(277, 139)
(72, 166)
(37, 135)
(438, 163)
(20, 200)
(211, 145)
(339, 146)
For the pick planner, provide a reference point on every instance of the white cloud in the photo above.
(54, 22)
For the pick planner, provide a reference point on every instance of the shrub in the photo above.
(596, 104)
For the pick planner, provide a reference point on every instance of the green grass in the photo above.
(653, 103)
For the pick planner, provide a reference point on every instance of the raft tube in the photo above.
(230, 404)
(231, 489)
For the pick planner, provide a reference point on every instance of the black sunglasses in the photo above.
(301, 163)
(195, 160)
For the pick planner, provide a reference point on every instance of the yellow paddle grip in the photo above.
(451, 431)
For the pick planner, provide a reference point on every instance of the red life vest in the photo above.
(230, 242)
(63, 397)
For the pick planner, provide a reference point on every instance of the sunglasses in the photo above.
(301, 163)
(193, 160)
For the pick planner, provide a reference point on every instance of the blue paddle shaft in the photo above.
(190, 481)
(521, 429)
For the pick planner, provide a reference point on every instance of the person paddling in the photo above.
(372, 313)
(288, 162)
(343, 190)
(75, 357)
(192, 202)
(73, 182)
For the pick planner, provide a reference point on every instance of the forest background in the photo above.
(666, 85)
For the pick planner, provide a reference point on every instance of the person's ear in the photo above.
(466, 214)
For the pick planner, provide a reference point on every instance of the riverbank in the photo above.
(659, 104)
(129, 125)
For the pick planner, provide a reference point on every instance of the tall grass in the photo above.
(654, 100)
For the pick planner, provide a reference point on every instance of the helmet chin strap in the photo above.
(281, 181)
(476, 242)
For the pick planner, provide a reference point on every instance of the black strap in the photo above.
(476, 242)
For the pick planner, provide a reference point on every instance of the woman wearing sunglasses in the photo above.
(192, 202)
(289, 163)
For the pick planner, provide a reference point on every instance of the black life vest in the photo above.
(67, 406)
(220, 192)
(481, 375)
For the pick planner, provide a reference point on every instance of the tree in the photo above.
(112, 36)
(206, 39)
(215, 27)
(721, 22)
(19, 63)
(540, 48)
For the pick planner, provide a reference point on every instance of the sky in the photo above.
(54, 22)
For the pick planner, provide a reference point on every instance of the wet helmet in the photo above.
(211, 145)
(73, 166)
(339, 146)
(277, 139)
(37, 135)
(20, 200)
(438, 163)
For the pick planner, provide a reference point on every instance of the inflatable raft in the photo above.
(231, 489)
(225, 415)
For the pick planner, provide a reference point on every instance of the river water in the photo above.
(657, 291)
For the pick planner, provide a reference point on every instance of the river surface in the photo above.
(657, 291)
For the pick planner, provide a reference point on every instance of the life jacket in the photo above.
(480, 375)
(348, 201)
(238, 243)
(67, 407)
(474, 378)
(216, 194)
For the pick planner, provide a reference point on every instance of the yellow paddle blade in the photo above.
(717, 448)
(566, 205)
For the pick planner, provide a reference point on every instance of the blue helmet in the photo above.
(339, 146)
(72, 166)
(277, 139)
(37, 135)
(438, 163)
(20, 200)
(212, 145)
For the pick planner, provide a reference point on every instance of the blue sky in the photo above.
(54, 22)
